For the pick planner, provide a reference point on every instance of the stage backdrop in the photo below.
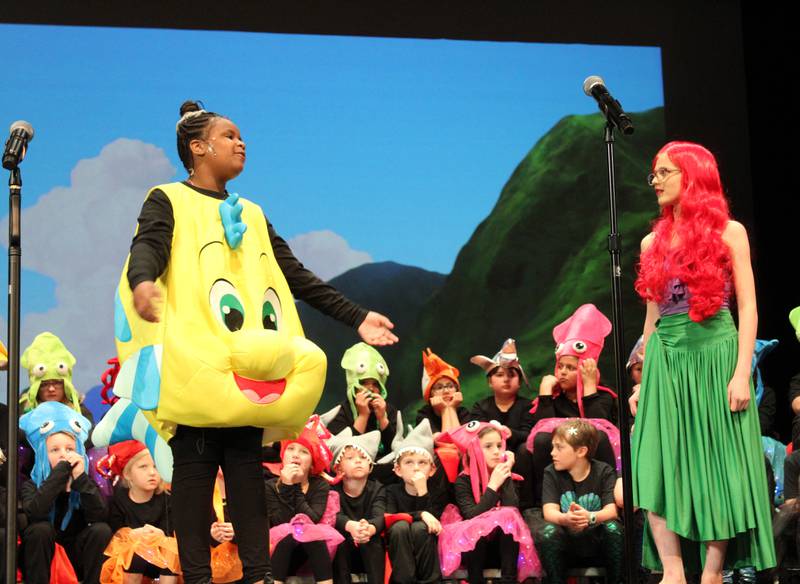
(459, 187)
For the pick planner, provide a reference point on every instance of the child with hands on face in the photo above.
(362, 503)
(488, 502)
(61, 502)
(442, 394)
(419, 501)
(139, 514)
(297, 503)
(578, 504)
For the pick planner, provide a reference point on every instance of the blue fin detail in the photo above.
(122, 329)
(147, 381)
(150, 437)
(230, 211)
(123, 428)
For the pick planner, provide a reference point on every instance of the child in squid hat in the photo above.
(365, 407)
(63, 505)
(488, 522)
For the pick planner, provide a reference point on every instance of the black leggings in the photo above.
(290, 555)
(196, 453)
(495, 545)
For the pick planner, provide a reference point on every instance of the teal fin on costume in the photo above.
(122, 330)
(230, 211)
(147, 381)
(590, 502)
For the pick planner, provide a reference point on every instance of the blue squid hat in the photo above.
(42, 422)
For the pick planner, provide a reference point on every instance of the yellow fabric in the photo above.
(200, 355)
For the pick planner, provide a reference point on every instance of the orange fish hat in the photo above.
(433, 369)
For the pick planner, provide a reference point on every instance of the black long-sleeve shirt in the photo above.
(518, 418)
(597, 405)
(124, 512)
(369, 505)
(399, 501)
(37, 502)
(507, 497)
(286, 501)
(427, 412)
(151, 247)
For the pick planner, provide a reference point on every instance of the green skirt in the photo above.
(696, 463)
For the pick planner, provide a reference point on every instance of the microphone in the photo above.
(595, 87)
(21, 133)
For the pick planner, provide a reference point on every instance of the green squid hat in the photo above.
(360, 362)
(48, 358)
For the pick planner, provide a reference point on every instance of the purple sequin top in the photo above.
(676, 298)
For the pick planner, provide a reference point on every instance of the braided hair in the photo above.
(193, 125)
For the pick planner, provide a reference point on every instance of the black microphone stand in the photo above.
(14, 265)
(614, 246)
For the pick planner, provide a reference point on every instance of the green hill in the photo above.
(539, 254)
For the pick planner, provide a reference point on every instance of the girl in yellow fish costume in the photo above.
(206, 323)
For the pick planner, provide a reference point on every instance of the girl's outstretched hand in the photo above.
(376, 329)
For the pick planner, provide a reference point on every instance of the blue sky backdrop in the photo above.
(392, 149)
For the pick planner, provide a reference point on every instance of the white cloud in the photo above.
(79, 235)
(326, 253)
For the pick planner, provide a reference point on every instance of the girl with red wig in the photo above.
(697, 461)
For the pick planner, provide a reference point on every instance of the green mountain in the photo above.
(540, 254)
(389, 288)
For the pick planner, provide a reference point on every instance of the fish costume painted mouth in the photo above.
(229, 349)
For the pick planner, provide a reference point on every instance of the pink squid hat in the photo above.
(465, 438)
(582, 335)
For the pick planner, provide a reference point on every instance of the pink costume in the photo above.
(302, 529)
(459, 536)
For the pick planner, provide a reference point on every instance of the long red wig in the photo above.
(701, 260)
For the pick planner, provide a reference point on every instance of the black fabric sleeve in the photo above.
(296, 501)
(599, 405)
(151, 246)
(545, 409)
(93, 504)
(37, 503)
(478, 413)
(767, 410)
(550, 490)
(388, 433)
(791, 475)
(608, 479)
(523, 423)
(466, 502)
(794, 388)
(378, 508)
(342, 420)
(306, 286)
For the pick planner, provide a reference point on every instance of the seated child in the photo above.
(442, 394)
(487, 501)
(504, 374)
(296, 503)
(362, 504)
(365, 408)
(578, 506)
(574, 392)
(61, 502)
(413, 546)
(139, 514)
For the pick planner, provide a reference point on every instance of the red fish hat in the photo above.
(313, 437)
(465, 438)
(119, 455)
(582, 335)
(433, 369)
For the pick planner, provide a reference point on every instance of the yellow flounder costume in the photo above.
(229, 349)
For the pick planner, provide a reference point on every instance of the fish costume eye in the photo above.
(39, 370)
(473, 426)
(76, 425)
(226, 305)
(63, 369)
(380, 368)
(271, 312)
(46, 427)
(579, 346)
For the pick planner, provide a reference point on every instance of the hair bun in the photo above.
(190, 106)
